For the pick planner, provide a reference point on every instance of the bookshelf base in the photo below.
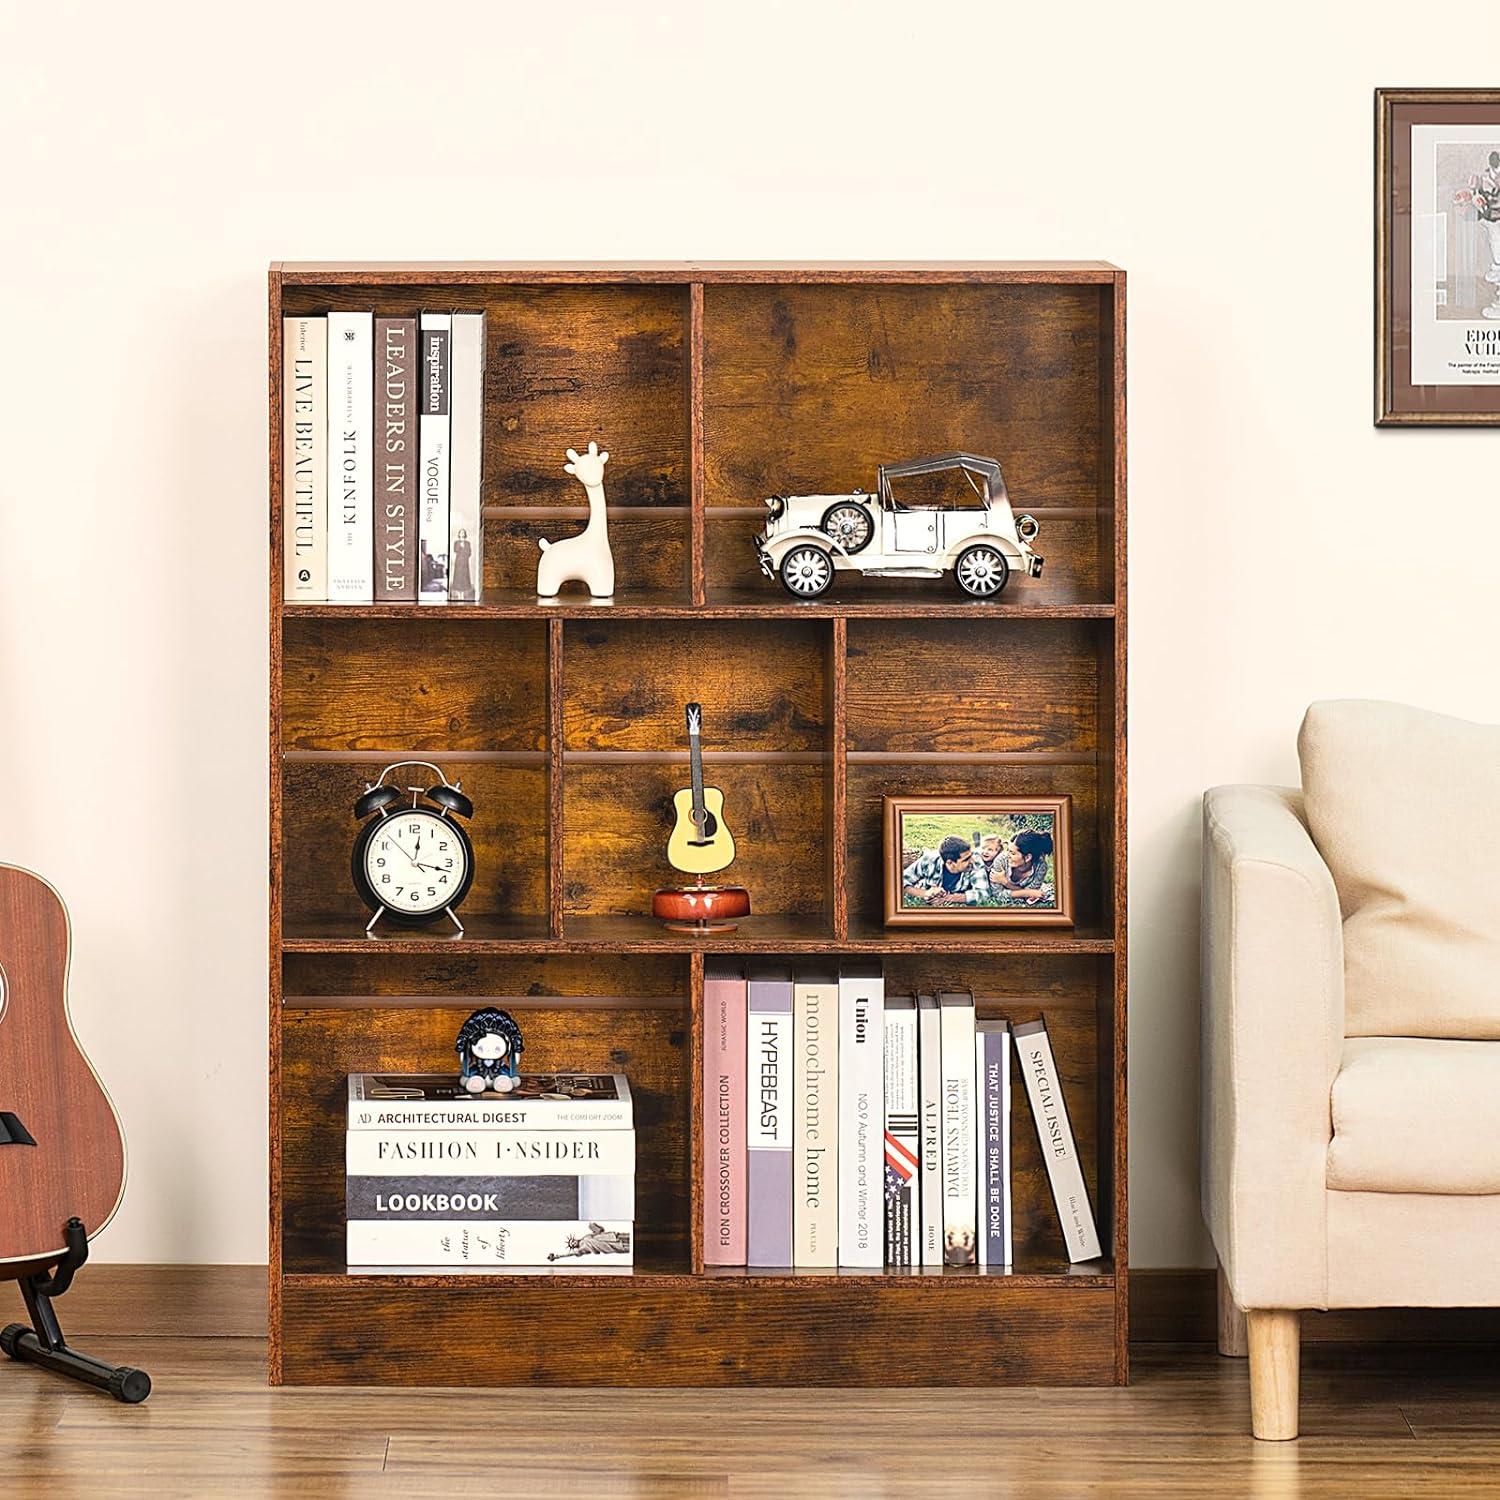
(665, 1330)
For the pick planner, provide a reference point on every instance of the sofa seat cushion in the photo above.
(1414, 1115)
(1404, 807)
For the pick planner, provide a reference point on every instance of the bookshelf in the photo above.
(712, 385)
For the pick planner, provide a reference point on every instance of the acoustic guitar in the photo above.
(62, 1155)
(699, 843)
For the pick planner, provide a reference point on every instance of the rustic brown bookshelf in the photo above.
(712, 386)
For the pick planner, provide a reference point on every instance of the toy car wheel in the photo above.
(982, 571)
(850, 525)
(806, 571)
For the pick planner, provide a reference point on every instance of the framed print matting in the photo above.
(1437, 257)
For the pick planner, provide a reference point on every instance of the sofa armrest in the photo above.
(1273, 1033)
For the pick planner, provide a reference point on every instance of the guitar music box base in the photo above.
(701, 908)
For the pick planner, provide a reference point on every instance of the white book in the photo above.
(992, 1161)
(861, 1175)
(488, 1153)
(930, 1088)
(351, 458)
(304, 466)
(480, 1244)
(542, 1101)
(903, 1164)
(768, 1118)
(815, 1119)
(466, 498)
(434, 429)
(959, 1129)
(1059, 1148)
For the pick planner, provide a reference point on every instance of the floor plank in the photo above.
(1420, 1424)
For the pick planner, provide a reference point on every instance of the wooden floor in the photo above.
(1397, 1422)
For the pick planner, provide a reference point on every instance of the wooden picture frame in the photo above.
(968, 815)
(1443, 316)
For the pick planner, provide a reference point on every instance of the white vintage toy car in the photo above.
(808, 538)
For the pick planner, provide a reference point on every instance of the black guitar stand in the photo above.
(43, 1343)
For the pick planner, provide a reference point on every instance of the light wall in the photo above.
(159, 155)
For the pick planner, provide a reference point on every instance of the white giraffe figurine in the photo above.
(585, 557)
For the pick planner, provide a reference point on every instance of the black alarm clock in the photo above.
(413, 862)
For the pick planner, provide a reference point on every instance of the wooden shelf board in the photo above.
(470, 1002)
(892, 599)
(776, 933)
(483, 932)
(670, 1271)
(685, 272)
(935, 602)
(508, 604)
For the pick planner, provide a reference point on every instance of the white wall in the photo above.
(159, 155)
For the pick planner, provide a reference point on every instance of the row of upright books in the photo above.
(382, 458)
(845, 1127)
(439, 1178)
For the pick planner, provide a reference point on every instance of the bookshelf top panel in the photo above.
(685, 272)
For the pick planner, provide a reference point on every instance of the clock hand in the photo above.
(415, 863)
(404, 854)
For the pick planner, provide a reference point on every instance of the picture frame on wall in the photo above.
(1437, 257)
(961, 861)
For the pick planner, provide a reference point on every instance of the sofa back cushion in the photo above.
(1404, 807)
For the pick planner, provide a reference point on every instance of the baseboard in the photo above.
(1180, 1307)
(135, 1300)
(1166, 1307)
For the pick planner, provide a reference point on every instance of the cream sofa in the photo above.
(1351, 1016)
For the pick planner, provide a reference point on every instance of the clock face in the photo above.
(416, 862)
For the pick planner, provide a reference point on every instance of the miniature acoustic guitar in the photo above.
(700, 844)
(62, 1155)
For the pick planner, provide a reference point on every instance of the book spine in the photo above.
(724, 1187)
(434, 1114)
(815, 1140)
(992, 1068)
(930, 1084)
(1059, 1148)
(433, 455)
(351, 512)
(595, 1196)
(903, 1177)
(960, 1136)
(768, 1127)
(466, 502)
(861, 1173)
(488, 1153)
(396, 465)
(304, 467)
(519, 1242)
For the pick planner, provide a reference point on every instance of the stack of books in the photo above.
(436, 1177)
(842, 1127)
(382, 440)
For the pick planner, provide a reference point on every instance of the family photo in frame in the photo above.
(978, 861)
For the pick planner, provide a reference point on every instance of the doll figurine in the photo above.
(489, 1051)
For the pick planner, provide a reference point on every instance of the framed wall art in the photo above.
(1437, 257)
(978, 861)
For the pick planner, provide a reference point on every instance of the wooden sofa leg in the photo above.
(1274, 1353)
(1234, 1342)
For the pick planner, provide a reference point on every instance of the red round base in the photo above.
(700, 908)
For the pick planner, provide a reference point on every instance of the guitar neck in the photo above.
(695, 759)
